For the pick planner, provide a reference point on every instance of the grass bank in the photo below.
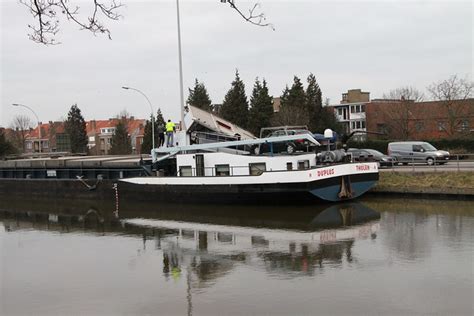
(427, 182)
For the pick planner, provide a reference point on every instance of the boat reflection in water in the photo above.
(210, 239)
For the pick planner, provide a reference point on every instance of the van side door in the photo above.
(418, 153)
(403, 152)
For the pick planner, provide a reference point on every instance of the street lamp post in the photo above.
(180, 67)
(37, 120)
(152, 114)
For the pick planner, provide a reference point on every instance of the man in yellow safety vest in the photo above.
(170, 129)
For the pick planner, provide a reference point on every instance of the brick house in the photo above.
(409, 120)
(404, 119)
(100, 132)
(49, 138)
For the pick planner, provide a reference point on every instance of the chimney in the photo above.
(93, 126)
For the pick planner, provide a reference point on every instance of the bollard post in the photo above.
(457, 158)
(413, 164)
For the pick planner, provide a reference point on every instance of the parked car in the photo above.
(417, 152)
(290, 146)
(371, 155)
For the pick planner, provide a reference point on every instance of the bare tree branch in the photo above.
(405, 93)
(21, 126)
(253, 16)
(453, 94)
(401, 122)
(47, 12)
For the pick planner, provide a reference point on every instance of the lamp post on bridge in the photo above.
(37, 120)
(152, 114)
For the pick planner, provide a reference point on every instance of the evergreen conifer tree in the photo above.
(75, 127)
(121, 143)
(235, 106)
(261, 110)
(160, 119)
(329, 120)
(159, 129)
(147, 140)
(199, 97)
(314, 105)
(292, 107)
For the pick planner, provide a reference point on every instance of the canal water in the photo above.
(374, 256)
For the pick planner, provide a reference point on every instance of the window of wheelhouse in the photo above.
(185, 171)
(289, 166)
(303, 164)
(222, 170)
(256, 169)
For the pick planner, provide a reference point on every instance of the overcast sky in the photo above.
(372, 45)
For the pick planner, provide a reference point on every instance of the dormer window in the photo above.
(107, 130)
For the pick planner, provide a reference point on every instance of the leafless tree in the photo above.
(454, 93)
(48, 13)
(290, 115)
(405, 93)
(124, 115)
(401, 112)
(21, 125)
(253, 16)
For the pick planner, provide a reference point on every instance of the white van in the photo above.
(417, 152)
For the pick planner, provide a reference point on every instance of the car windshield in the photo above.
(289, 132)
(428, 147)
(300, 131)
(374, 152)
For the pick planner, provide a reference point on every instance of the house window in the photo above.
(362, 124)
(185, 171)
(352, 109)
(109, 141)
(107, 130)
(289, 166)
(303, 164)
(362, 108)
(44, 144)
(357, 108)
(222, 170)
(352, 125)
(419, 126)
(358, 124)
(339, 111)
(257, 169)
(441, 126)
(29, 145)
(465, 125)
(382, 128)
